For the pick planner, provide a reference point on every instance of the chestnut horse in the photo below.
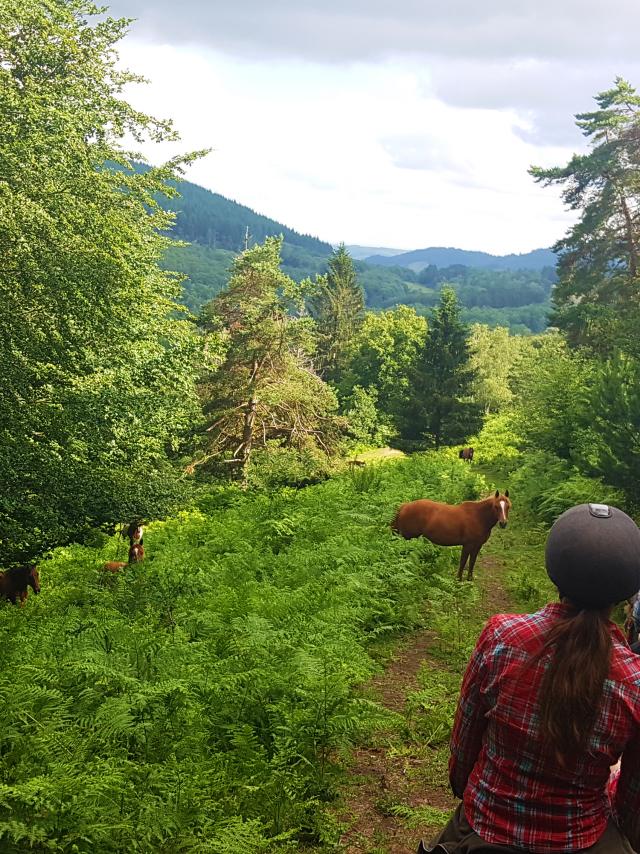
(466, 454)
(468, 524)
(14, 583)
(136, 554)
(134, 531)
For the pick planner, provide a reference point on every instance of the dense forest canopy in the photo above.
(211, 220)
(509, 289)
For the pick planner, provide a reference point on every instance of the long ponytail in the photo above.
(573, 682)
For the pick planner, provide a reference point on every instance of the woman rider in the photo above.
(549, 702)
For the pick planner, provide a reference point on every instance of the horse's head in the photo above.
(136, 553)
(502, 505)
(33, 578)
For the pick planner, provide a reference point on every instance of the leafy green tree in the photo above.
(366, 424)
(265, 387)
(383, 354)
(493, 353)
(550, 383)
(596, 298)
(338, 310)
(96, 359)
(441, 409)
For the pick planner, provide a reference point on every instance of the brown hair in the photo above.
(573, 682)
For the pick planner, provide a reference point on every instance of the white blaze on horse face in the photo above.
(503, 517)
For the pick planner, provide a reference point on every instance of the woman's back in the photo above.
(516, 790)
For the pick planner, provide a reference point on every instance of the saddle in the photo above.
(439, 848)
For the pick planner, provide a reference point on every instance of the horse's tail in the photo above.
(394, 522)
(461, 453)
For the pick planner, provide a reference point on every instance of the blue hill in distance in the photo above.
(418, 259)
(359, 253)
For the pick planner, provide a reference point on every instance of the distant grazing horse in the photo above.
(466, 454)
(468, 524)
(14, 583)
(136, 554)
(135, 532)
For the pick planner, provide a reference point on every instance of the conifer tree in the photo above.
(613, 407)
(265, 388)
(338, 309)
(441, 409)
(596, 299)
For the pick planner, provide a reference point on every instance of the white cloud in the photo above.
(363, 154)
(543, 59)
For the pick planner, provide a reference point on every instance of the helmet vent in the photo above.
(600, 510)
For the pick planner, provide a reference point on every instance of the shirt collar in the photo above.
(561, 609)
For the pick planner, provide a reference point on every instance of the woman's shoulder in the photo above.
(519, 628)
(625, 665)
(505, 622)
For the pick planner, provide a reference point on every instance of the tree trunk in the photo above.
(633, 251)
(247, 439)
(437, 432)
(247, 429)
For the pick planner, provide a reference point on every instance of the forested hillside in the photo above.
(209, 219)
(217, 230)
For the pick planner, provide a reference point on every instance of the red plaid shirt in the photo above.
(514, 792)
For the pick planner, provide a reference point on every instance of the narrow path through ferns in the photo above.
(397, 789)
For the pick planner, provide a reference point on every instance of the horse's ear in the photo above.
(497, 495)
(506, 493)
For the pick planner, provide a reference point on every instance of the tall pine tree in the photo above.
(338, 309)
(441, 409)
(265, 388)
(597, 297)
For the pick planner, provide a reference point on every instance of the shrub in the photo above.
(276, 466)
(550, 486)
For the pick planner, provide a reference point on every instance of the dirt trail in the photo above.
(398, 774)
(393, 772)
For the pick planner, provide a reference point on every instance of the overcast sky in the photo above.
(405, 124)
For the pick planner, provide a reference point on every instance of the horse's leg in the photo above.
(463, 559)
(472, 561)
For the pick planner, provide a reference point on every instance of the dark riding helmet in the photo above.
(593, 555)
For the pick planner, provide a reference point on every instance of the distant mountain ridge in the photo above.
(216, 222)
(359, 253)
(440, 256)
(497, 290)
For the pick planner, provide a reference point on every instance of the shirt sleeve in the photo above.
(470, 722)
(626, 792)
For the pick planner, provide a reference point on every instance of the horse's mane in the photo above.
(19, 571)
